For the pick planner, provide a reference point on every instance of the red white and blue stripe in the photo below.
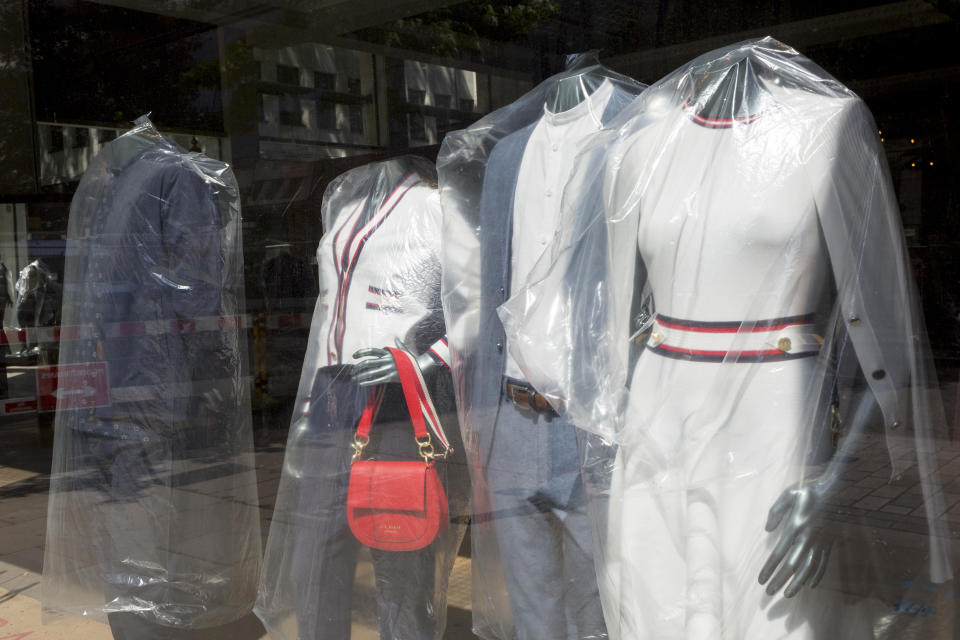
(768, 340)
(347, 247)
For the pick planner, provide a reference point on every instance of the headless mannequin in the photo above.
(803, 548)
(582, 76)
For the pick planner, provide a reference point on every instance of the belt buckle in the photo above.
(518, 394)
(525, 397)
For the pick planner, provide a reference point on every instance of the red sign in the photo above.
(19, 405)
(73, 386)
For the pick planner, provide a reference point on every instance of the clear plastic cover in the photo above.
(34, 285)
(731, 313)
(501, 182)
(153, 513)
(38, 300)
(8, 297)
(379, 273)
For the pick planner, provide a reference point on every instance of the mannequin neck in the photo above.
(568, 93)
(133, 143)
(731, 93)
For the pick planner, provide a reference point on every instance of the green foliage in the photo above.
(461, 28)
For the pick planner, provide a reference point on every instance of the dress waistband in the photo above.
(770, 340)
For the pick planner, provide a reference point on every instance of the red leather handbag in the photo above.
(399, 505)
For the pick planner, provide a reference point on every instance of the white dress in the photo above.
(686, 536)
(761, 237)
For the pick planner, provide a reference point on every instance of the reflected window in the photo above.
(418, 127)
(353, 86)
(325, 81)
(416, 96)
(443, 100)
(327, 116)
(288, 75)
(443, 125)
(290, 112)
(356, 118)
(56, 139)
(81, 137)
(466, 104)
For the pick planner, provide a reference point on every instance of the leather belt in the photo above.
(523, 395)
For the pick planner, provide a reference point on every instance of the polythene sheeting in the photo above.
(523, 491)
(153, 502)
(775, 282)
(379, 277)
(37, 301)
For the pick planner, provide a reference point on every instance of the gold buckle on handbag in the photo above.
(426, 450)
(359, 442)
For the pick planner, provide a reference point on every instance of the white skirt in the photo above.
(686, 539)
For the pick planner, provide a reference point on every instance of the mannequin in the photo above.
(750, 183)
(379, 285)
(501, 182)
(153, 497)
(731, 93)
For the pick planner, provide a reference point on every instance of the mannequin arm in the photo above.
(803, 549)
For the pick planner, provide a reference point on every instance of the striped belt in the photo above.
(773, 340)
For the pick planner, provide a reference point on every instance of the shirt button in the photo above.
(500, 347)
(502, 291)
(549, 193)
(556, 147)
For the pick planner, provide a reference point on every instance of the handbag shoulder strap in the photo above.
(419, 405)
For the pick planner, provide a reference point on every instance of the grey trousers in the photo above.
(325, 552)
(542, 528)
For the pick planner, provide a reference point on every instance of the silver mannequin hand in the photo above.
(380, 367)
(803, 549)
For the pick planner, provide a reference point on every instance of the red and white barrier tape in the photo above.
(64, 333)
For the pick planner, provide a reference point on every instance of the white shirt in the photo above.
(545, 168)
(380, 278)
